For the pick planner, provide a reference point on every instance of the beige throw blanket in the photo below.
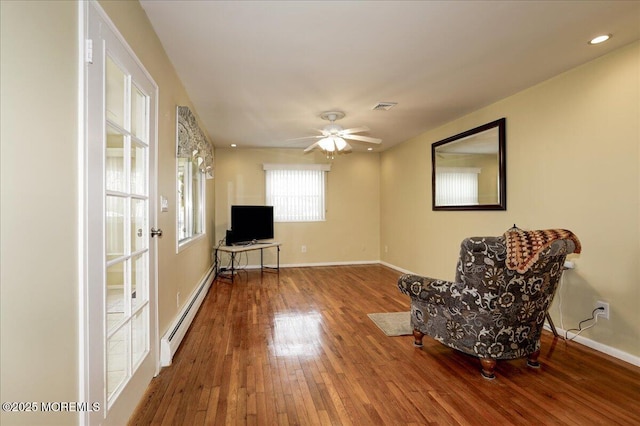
(524, 247)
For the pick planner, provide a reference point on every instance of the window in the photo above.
(190, 199)
(194, 165)
(456, 186)
(296, 192)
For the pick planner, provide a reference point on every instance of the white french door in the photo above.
(120, 332)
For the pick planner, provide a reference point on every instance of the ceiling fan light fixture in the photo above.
(327, 144)
(340, 143)
(333, 138)
(332, 143)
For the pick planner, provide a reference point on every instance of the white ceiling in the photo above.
(261, 72)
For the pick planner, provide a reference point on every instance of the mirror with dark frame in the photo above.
(469, 169)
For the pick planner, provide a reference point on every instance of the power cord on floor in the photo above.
(579, 330)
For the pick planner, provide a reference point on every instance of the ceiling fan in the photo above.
(332, 140)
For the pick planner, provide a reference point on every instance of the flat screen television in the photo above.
(250, 224)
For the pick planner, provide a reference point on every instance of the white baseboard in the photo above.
(616, 353)
(173, 337)
(308, 265)
(397, 268)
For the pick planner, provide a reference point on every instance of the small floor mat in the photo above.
(393, 323)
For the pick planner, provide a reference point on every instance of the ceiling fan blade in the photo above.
(311, 147)
(362, 138)
(305, 137)
(355, 130)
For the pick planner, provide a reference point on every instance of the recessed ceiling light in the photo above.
(369, 149)
(600, 39)
(233, 145)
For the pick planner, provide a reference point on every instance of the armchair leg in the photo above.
(532, 359)
(417, 338)
(488, 367)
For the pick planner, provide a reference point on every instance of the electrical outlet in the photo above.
(604, 312)
(303, 249)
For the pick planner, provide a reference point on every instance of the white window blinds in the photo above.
(296, 192)
(457, 186)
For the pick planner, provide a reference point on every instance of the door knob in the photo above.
(156, 232)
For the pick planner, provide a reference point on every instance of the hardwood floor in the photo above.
(298, 348)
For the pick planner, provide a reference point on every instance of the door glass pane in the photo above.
(138, 114)
(116, 360)
(139, 228)
(138, 280)
(114, 221)
(114, 163)
(139, 341)
(115, 93)
(115, 295)
(138, 169)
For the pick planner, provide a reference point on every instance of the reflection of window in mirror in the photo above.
(468, 169)
(459, 169)
(190, 199)
(457, 186)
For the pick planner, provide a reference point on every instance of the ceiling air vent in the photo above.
(386, 106)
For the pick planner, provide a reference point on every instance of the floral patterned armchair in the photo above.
(497, 305)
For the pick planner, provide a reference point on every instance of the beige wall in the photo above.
(351, 232)
(38, 202)
(572, 162)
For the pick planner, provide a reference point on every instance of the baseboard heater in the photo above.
(173, 337)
